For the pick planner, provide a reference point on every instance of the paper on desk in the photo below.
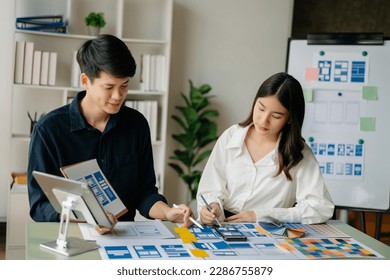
(120, 249)
(129, 230)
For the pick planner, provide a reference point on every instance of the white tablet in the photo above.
(61, 186)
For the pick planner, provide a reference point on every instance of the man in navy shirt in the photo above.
(97, 125)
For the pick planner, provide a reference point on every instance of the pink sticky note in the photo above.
(311, 74)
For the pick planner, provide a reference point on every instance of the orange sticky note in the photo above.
(285, 247)
(311, 74)
(261, 230)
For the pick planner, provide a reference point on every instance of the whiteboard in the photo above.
(347, 118)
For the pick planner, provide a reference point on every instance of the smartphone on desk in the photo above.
(230, 233)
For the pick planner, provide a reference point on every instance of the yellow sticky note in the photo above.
(199, 253)
(180, 230)
(188, 239)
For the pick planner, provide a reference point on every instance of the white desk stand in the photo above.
(72, 245)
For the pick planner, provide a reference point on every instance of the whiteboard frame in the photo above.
(373, 191)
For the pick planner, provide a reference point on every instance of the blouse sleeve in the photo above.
(313, 199)
(212, 184)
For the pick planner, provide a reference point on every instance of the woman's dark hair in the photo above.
(106, 53)
(289, 93)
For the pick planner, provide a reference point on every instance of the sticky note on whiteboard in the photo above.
(311, 74)
(370, 93)
(308, 94)
(367, 124)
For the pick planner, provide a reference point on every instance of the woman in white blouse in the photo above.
(262, 166)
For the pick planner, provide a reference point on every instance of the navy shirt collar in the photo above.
(78, 121)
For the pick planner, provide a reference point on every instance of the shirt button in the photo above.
(102, 160)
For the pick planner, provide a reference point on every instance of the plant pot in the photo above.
(93, 30)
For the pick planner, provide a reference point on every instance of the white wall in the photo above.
(6, 78)
(232, 45)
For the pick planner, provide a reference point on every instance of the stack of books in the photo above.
(46, 23)
(34, 67)
(153, 72)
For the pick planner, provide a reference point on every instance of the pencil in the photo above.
(191, 219)
(209, 208)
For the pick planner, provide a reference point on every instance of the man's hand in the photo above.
(103, 230)
(180, 214)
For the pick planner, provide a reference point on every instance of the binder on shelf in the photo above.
(36, 73)
(44, 68)
(51, 81)
(48, 23)
(28, 63)
(19, 61)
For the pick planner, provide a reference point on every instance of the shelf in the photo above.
(87, 37)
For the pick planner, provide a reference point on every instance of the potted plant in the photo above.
(197, 131)
(95, 21)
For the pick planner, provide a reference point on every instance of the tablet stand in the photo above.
(72, 245)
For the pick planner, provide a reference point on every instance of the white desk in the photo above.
(38, 233)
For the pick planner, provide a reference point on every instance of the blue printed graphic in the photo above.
(341, 150)
(103, 184)
(97, 190)
(324, 67)
(358, 71)
(359, 150)
(341, 71)
(322, 149)
(329, 168)
(358, 170)
(348, 169)
(117, 252)
(147, 251)
(175, 251)
(331, 149)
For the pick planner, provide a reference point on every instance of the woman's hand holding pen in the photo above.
(208, 217)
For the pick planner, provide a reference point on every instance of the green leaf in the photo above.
(177, 168)
(186, 140)
(208, 114)
(204, 89)
(189, 114)
(180, 122)
(186, 100)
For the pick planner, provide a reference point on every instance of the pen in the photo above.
(209, 208)
(191, 219)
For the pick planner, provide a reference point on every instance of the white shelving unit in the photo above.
(144, 25)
